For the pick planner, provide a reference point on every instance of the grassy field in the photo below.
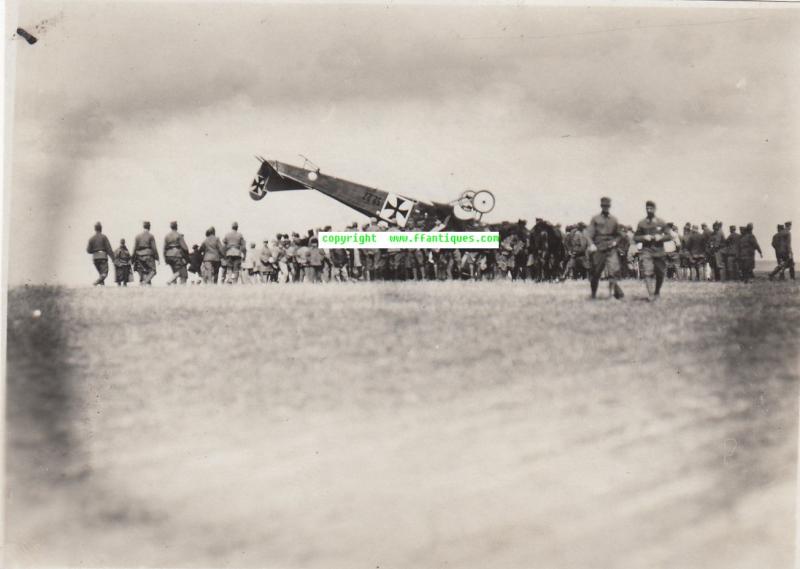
(503, 425)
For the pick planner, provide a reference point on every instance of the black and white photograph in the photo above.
(394, 285)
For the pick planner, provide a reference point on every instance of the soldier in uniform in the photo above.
(732, 254)
(122, 264)
(315, 259)
(145, 255)
(301, 258)
(716, 243)
(291, 249)
(212, 255)
(176, 254)
(672, 249)
(602, 233)
(235, 252)
(507, 255)
(748, 245)
(685, 255)
(652, 232)
(623, 246)
(780, 245)
(697, 254)
(395, 260)
(340, 259)
(195, 264)
(707, 247)
(100, 249)
(380, 256)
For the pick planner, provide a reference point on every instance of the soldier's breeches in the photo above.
(608, 260)
(210, 271)
(122, 274)
(653, 265)
(178, 266)
(146, 267)
(102, 269)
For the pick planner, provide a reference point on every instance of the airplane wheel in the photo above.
(483, 201)
(462, 213)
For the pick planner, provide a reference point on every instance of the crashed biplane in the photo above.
(395, 209)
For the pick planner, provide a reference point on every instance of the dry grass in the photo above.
(403, 425)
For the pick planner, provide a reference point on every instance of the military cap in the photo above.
(235, 225)
(313, 241)
(733, 228)
(295, 234)
(122, 242)
(780, 227)
(605, 201)
(195, 246)
(650, 203)
(581, 225)
(211, 230)
(787, 223)
(146, 225)
(173, 225)
(98, 226)
(750, 225)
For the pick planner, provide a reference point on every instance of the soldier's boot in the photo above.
(616, 290)
(659, 282)
(618, 294)
(594, 282)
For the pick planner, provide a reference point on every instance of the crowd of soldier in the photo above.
(697, 253)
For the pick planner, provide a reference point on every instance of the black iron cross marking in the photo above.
(394, 209)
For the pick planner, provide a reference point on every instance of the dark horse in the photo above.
(546, 246)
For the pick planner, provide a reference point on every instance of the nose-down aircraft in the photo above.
(396, 209)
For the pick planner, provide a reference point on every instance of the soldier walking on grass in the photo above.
(235, 252)
(652, 232)
(732, 255)
(122, 264)
(145, 255)
(100, 249)
(176, 254)
(748, 245)
(602, 233)
(212, 254)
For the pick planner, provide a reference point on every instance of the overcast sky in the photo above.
(133, 111)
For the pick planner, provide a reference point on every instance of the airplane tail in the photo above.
(269, 180)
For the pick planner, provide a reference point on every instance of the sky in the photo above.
(132, 111)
